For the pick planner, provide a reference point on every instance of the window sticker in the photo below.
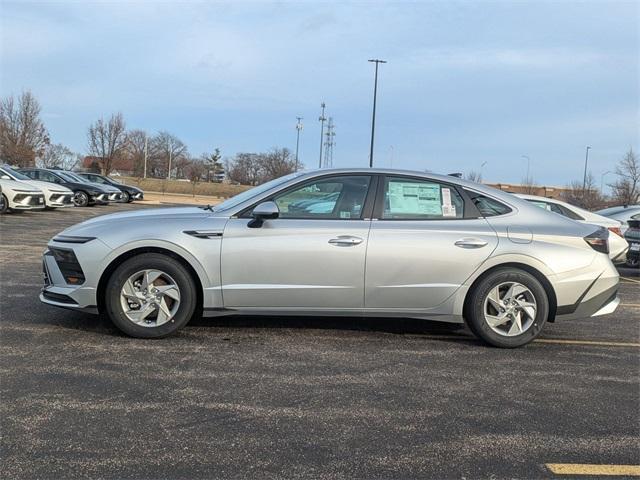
(345, 214)
(415, 198)
(448, 209)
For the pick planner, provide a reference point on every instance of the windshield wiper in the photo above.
(208, 207)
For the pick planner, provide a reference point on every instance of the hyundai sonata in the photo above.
(369, 242)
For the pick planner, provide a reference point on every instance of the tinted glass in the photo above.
(32, 174)
(487, 206)
(14, 173)
(48, 177)
(339, 198)
(410, 199)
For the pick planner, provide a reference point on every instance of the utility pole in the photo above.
(602, 180)
(169, 147)
(322, 119)
(329, 143)
(299, 127)
(146, 149)
(584, 181)
(373, 118)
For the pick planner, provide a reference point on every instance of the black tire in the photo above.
(4, 204)
(80, 199)
(164, 263)
(126, 198)
(474, 311)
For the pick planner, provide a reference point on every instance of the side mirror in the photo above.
(5, 177)
(263, 211)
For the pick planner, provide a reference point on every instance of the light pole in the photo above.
(373, 117)
(481, 167)
(602, 180)
(528, 165)
(169, 147)
(322, 119)
(584, 181)
(299, 129)
(146, 149)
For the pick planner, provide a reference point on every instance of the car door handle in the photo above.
(345, 241)
(470, 243)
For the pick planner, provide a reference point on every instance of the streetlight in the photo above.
(528, 164)
(299, 129)
(322, 119)
(481, 167)
(584, 182)
(373, 119)
(170, 152)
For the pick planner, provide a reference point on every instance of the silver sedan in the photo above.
(368, 242)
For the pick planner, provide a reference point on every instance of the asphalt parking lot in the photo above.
(302, 397)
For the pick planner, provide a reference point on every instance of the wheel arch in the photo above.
(108, 271)
(551, 294)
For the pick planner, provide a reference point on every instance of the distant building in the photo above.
(123, 166)
(541, 191)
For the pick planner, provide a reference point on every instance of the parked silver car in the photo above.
(392, 243)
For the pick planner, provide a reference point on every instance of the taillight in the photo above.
(616, 230)
(599, 240)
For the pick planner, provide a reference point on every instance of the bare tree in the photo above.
(474, 176)
(589, 198)
(166, 148)
(276, 163)
(23, 136)
(244, 168)
(107, 141)
(529, 185)
(57, 155)
(626, 190)
(136, 140)
(195, 171)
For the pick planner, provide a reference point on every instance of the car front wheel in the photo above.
(150, 296)
(507, 308)
(80, 199)
(126, 198)
(4, 204)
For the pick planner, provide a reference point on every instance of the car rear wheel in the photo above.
(150, 296)
(4, 204)
(507, 308)
(80, 199)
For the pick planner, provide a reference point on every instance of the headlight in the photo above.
(72, 239)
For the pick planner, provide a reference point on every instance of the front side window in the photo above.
(48, 177)
(32, 174)
(409, 199)
(335, 198)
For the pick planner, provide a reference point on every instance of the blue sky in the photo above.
(466, 82)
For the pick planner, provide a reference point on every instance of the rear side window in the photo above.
(409, 199)
(32, 174)
(487, 206)
(569, 213)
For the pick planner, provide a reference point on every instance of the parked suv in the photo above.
(129, 193)
(83, 193)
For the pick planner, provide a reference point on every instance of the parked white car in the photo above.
(618, 246)
(55, 196)
(18, 196)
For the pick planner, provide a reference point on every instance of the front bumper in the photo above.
(60, 200)
(100, 199)
(27, 201)
(137, 195)
(115, 197)
(58, 292)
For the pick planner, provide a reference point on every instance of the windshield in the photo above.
(70, 178)
(246, 195)
(12, 173)
(74, 177)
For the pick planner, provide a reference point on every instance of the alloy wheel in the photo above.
(510, 309)
(150, 298)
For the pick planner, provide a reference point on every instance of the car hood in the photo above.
(19, 185)
(120, 220)
(50, 187)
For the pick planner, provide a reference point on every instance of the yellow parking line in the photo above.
(632, 280)
(586, 342)
(592, 469)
